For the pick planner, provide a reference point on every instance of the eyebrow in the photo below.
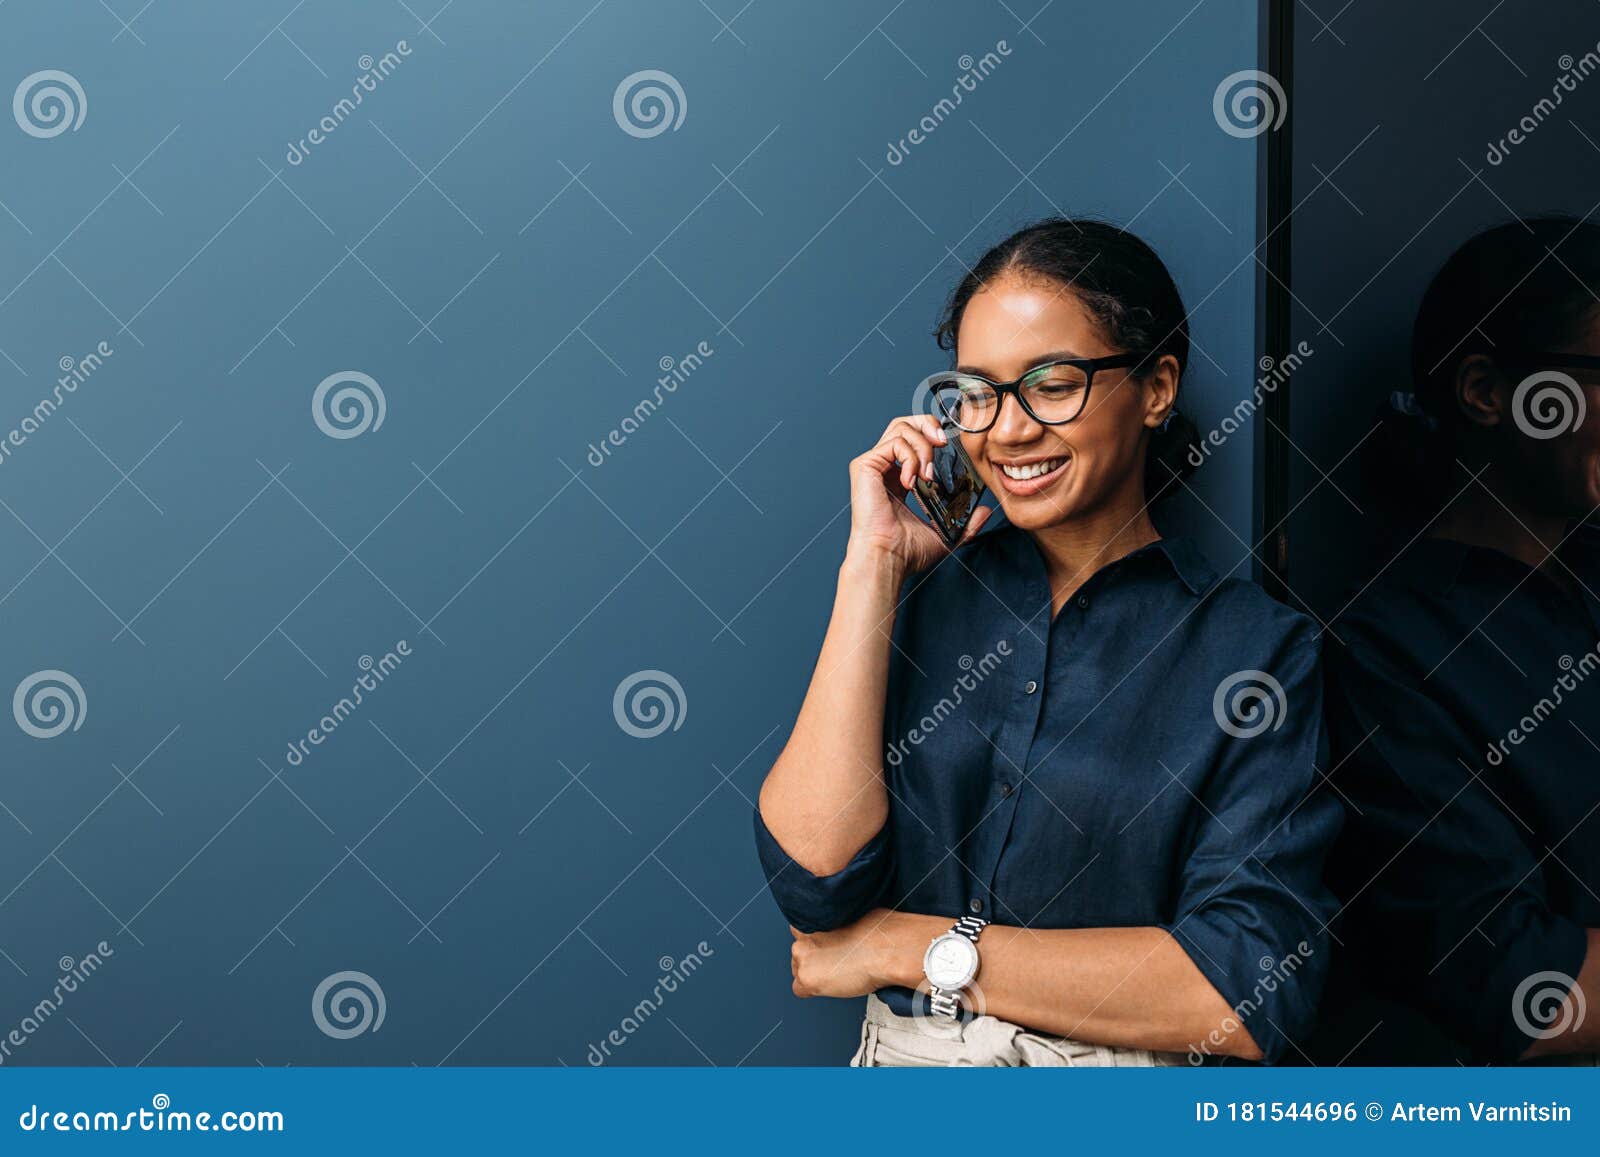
(1044, 360)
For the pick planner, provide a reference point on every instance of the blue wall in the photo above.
(482, 238)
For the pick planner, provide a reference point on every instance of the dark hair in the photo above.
(1521, 286)
(1126, 289)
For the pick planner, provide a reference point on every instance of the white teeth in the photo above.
(1032, 470)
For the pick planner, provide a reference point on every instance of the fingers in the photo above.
(913, 441)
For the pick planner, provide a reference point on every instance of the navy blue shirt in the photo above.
(1076, 772)
(1464, 707)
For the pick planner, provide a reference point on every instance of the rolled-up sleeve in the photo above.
(815, 903)
(1443, 881)
(1252, 908)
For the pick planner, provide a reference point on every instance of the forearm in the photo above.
(1130, 987)
(1583, 1032)
(825, 795)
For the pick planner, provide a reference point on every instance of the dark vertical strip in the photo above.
(1274, 279)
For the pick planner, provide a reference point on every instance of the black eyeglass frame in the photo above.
(1534, 360)
(1089, 366)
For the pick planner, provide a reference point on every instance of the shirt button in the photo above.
(974, 906)
(1005, 789)
(1029, 687)
(1083, 602)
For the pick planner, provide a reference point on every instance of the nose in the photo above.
(1013, 424)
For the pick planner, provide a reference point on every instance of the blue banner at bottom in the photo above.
(801, 1110)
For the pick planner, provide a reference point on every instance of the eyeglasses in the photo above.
(1530, 359)
(1052, 394)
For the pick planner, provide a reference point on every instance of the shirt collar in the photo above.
(1181, 554)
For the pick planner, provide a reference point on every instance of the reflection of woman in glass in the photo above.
(1465, 700)
(1072, 726)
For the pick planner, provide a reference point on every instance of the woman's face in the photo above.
(1090, 463)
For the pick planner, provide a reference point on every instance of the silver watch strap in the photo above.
(944, 1001)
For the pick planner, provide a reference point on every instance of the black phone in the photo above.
(951, 498)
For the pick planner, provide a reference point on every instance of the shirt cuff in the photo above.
(815, 903)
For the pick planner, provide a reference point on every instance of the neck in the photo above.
(1075, 549)
(1495, 517)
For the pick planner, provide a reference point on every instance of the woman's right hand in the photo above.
(881, 524)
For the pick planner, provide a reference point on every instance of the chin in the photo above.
(1038, 511)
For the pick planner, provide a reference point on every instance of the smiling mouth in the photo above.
(1024, 478)
(1033, 469)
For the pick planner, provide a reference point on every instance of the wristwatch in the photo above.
(950, 964)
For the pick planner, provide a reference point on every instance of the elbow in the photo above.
(822, 845)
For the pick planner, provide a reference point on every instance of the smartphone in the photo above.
(951, 498)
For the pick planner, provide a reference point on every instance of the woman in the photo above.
(1071, 726)
(1464, 700)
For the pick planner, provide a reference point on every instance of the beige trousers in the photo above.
(889, 1040)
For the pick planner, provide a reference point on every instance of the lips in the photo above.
(1024, 478)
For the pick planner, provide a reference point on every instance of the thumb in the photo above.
(795, 932)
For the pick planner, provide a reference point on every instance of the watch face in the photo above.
(951, 961)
